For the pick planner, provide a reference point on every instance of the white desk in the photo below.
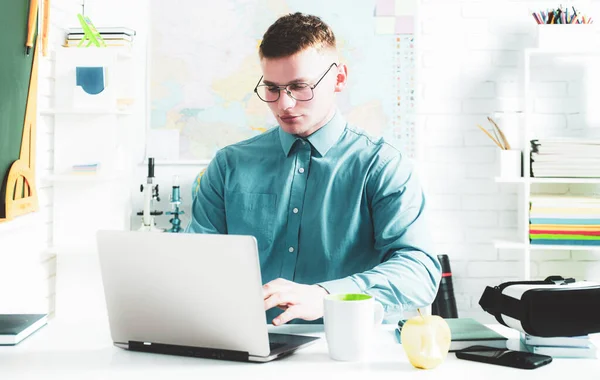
(84, 351)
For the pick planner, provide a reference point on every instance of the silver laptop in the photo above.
(188, 294)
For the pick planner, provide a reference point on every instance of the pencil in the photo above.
(31, 23)
(490, 136)
(45, 26)
(502, 136)
(497, 138)
(574, 18)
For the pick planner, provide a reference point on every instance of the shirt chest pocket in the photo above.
(251, 214)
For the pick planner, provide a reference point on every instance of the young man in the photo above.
(333, 210)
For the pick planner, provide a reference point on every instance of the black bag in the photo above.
(549, 308)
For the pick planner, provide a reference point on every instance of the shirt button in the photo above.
(303, 142)
(301, 170)
(291, 249)
(295, 210)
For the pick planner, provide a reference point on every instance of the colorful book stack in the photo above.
(564, 220)
(112, 36)
(560, 347)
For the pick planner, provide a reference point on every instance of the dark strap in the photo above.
(559, 280)
(494, 302)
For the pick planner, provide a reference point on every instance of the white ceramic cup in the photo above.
(350, 321)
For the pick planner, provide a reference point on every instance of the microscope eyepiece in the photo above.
(151, 167)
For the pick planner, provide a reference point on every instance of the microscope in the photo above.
(175, 201)
(150, 194)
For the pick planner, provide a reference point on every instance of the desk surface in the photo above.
(83, 350)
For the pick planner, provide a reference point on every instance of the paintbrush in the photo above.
(502, 136)
(490, 136)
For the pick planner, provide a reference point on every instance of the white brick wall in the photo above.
(27, 268)
(469, 68)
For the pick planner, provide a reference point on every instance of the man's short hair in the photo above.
(293, 33)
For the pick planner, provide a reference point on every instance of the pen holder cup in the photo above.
(567, 36)
(509, 164)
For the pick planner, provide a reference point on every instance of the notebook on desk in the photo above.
(190, 295)
(16, 327)
(467, 332)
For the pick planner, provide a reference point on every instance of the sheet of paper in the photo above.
(405, 7)
(385, 25)
(405, 25)
(385, 8)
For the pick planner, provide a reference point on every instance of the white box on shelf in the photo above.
(93, 88)
(104, 64)
(567, 36)
(509, 164)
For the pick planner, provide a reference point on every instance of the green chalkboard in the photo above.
(15, 71)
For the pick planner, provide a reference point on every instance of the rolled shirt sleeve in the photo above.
(409, 276)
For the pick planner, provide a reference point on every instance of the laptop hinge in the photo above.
(198, 352)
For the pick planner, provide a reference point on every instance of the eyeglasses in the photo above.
(299, 91)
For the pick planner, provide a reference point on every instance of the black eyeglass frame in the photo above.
(288, 92)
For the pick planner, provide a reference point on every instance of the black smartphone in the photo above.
(508, 358)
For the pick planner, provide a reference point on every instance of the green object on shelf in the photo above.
(90, 33)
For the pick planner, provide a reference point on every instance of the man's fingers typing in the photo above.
(274, 286)
(281, 299)
(275, 300)
(286, 316)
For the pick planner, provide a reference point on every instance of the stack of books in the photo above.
(560, 347)
(113, 36)
(85, 168)
(564, 220)
(565, 157)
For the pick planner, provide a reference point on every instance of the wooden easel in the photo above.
(21, 192)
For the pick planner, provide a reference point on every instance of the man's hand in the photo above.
(298, 300)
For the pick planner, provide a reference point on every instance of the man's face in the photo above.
(303, 118)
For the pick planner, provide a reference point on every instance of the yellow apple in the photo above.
(426, 340)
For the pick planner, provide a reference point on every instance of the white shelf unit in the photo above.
(522, 241)
(90, 129)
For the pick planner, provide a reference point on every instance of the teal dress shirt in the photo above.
(338, 208)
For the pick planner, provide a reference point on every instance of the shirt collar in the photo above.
(322, 140)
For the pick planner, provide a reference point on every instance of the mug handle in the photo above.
(378, 313)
